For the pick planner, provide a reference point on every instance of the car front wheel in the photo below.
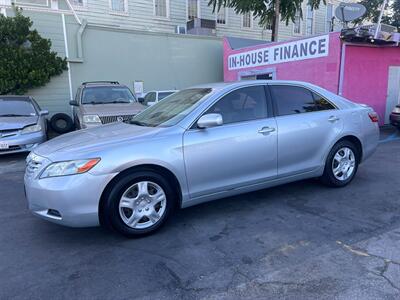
(139, 203)
(341, 165)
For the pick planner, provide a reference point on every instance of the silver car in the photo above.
(200, 144)
(103, 102)
(22, 124)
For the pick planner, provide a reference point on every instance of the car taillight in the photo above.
(373, 116)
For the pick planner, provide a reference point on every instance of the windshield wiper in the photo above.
(120, 102)
(15, 115)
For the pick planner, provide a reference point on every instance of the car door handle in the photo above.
(266, 130)
(333, 119)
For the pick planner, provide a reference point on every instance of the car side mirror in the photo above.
(73, 103)
(43, 113)
(210, 120)
(141, 100)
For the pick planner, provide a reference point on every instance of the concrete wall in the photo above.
(161, 60)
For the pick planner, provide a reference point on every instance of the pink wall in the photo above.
(322, 71)
(366, 75)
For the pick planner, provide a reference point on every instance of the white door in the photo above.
(393, 95)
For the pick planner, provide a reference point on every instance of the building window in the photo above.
(119, 6)
(222, 16)
(161, 8)
(32, 2)
(193, 9)
(297, 23)
(329, 17)
(310, 20)
(247, 20)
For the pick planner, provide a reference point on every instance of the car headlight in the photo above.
(32, 128)
(396, 110)
(72, 167)
(91, 119)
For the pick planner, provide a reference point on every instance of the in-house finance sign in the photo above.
(293, 51)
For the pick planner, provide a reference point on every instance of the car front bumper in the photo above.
(66, 200)
(22, 142)
(395, 119)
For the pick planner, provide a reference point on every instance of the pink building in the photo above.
(363, 73)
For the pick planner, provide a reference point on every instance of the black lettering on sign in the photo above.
(313, 47)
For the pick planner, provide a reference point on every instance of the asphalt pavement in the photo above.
(298, 241)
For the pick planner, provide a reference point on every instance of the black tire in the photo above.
(329, 178)
(110, 215)
(61, 123)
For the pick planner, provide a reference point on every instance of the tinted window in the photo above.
(10, 108)
(321, 103)
(150, 97)
(162, 95)
(292, 99)
(105, 95)
(242, 105)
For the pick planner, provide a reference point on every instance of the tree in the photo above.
(26, 60)
(270, 12)
(391, 15)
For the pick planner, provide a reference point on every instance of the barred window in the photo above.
(310, 20)
(246, 18)
(77, 2)
(297, 23)
(193, 9)
(161, 8)
(221, 16)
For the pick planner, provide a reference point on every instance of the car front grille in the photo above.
(112, 119)
(8, 133)
(34, 164)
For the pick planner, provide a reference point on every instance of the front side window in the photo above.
(172, 109)
(118, 6)
(244, 104)
(221, 16)
(297, 23)
(292, 100)
(161, 8)
(107, 95)
(150, 97)
(193, 9)
(310, 20)
(246, 20)
(16, 108)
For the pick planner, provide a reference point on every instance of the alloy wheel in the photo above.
(343, 164)
(142, 205)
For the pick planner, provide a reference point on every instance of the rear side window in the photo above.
(292, 100)
(241, 105)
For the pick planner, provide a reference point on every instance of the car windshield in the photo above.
(162, 95)
(16, 108)
(172, 109)
(107, 95)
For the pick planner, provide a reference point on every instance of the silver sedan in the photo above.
(200, 144)
(22, 124)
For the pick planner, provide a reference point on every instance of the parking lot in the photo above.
(297, 241)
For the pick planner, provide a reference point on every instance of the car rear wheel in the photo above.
(139, 203)
(341, 165)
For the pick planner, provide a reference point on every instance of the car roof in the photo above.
(15, 98)
(223, 85)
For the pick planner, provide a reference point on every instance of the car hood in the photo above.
(95, 139)
(10, 123)
(113, 109)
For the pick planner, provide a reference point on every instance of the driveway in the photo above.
(297, 241)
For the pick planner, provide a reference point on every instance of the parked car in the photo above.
(23, 124)
(103, 102)
(200, 144)
(153, 97)
(395, 117)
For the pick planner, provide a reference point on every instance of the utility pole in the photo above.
(378, 26)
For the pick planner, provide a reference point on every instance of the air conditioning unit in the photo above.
(180, 29)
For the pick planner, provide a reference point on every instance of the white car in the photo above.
(153, 97)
